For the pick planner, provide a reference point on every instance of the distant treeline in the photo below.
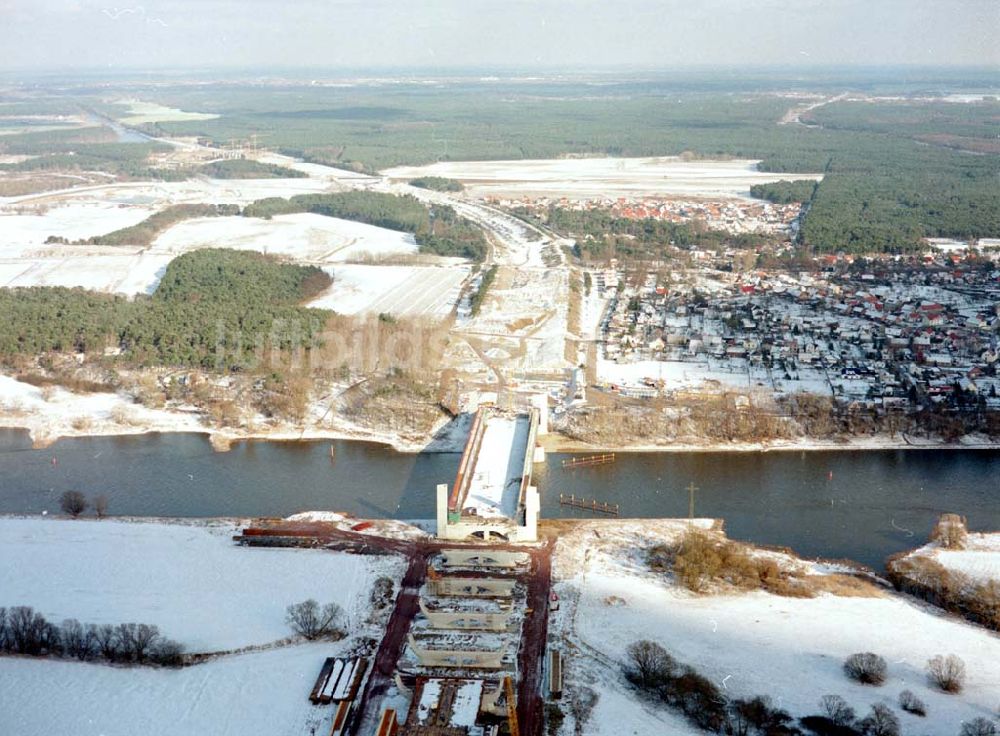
(895, 172)
(243, 168)
(784, 191)
(437, 229)
(892, 174)
(97, 149)
(145, 232)
(215, 309)
(437, 183)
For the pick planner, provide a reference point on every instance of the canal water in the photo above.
(858, 505)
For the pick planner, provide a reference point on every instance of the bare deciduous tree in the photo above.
(78, 641)
(312, 622)
(73, 503)
(651, 664)
(979, 727)
(107, 641)
(135, 640)
(101, 506)
(912, 704)
(837, 710)
(880, 721)
(948, 673)
(27, 630)
(866, 667)
(950, 531)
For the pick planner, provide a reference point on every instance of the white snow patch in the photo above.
(599, 177)
(303, 237)
(400, 290)
(761, 644)
(190, 580)
(260, 693)
(980, 559)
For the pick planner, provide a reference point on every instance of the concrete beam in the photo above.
(473, 587)
(485, 557)
(465, 620)
(456, 658)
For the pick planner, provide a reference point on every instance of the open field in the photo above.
(409, 291)
(303, 237)
(586, 178)
(191, 580)
(757, 643)
(27, 221)
(259, 693)
(149, 112)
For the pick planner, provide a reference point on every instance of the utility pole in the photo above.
(691, 489)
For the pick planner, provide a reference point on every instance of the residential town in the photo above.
(886, 334)
(734, 216)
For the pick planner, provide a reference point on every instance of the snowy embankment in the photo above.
(979, 558)
(52, 413)
(190, 580)
(554, 442)
(749, 644)
(260, 693)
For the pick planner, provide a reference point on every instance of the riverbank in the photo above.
(746, 643)
(560, 443)
(51, 413)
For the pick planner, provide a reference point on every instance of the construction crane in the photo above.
(508, 687)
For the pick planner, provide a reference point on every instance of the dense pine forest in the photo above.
(214, 309)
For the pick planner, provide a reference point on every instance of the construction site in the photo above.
(465, 647)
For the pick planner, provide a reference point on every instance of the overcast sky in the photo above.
(46, 34)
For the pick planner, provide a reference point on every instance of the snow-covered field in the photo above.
(260, 693)
(980, 559)
(760, 644)
(26, 222)
(191, 580)
(303, 237)
(73, 221)
(400, 290)
(599, 177)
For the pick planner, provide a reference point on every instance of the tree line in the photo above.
(23, 630)
(214, 309)
(145, 232)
